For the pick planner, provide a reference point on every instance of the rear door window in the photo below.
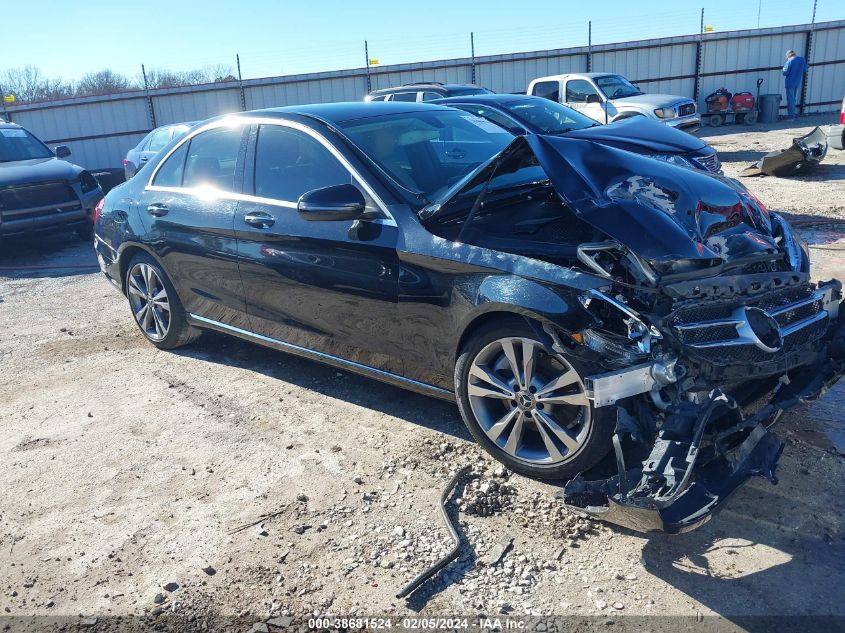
(172, 169)
(213, 158)
(289, 163)
(547, 90)
(428, 96)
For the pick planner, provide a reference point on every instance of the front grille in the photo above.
(726, 332)
(33, 206)
(686, 109)
(710, 162)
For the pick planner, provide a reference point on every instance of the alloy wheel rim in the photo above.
(149, 301)
(531, 404)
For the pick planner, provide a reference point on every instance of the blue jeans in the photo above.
(791, 98)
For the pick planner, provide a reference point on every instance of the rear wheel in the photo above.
(528, 408)
(155, 306)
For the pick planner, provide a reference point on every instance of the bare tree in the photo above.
(163, 78)
(103, 82)
(28, 84)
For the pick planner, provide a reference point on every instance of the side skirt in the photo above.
(341, 363)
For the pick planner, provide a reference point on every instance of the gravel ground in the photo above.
(228, 481)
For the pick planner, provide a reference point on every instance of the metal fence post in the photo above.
(472, 54)
(150, 109)
(240, 83)
(699, 60)
(367, 60)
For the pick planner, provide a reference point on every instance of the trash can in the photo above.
(769, 108)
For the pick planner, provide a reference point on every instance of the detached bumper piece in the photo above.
(804, 153)
(701, 455)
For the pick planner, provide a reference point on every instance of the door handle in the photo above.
(456, 153)
(157, 209)
(144, 159)
(259, 220)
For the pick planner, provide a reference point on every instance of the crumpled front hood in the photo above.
(639, 132)
(661, 212)
(24, 172)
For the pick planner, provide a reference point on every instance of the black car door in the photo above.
(189, 210)
(329, 286)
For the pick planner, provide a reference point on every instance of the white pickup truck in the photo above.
(606, 97)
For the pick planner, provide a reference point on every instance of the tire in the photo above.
(715, 120)
(165, 327)
(579, 433)
(750, 118)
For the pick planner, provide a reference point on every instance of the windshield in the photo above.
(547, 117)
(617, 87)
(18, 144)
(427, 152)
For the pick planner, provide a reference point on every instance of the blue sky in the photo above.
(67, 39)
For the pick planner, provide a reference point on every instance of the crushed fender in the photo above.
(805, 153)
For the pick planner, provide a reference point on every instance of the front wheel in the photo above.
(529, 408)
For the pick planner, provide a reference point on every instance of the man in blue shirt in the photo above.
(793, 72)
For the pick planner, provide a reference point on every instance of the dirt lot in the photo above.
(134, 481)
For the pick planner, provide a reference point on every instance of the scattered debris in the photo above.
(209, 570)
(453, 553)
(499, 552)
(804, 153)
(171, 586)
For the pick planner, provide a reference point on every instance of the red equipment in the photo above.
(742, 102)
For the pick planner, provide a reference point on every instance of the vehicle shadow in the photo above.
(421, 410)
(51, 255)
(767, 560)
(801, 123)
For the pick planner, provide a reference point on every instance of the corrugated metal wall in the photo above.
(101, 129)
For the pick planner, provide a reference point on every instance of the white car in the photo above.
(606, 98)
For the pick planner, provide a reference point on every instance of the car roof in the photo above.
(346, 111)
(564, 75)
(485, 98)
(433, 85)
(8, 124)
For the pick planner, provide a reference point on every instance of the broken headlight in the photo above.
(624, 335)
(675, 159)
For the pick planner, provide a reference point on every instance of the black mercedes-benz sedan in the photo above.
(526, 114)
(573, 298)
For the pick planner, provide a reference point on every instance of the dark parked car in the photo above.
(522, 114)
(425, 92)
(570, 296)
(151, 145)
(39, 190)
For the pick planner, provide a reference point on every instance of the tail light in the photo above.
(98, 210)
(842, 113)
(125, 162)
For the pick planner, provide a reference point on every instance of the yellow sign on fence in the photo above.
(708, 29)
(374, 61)
(8, 98)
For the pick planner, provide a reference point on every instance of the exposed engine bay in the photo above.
(708, 328)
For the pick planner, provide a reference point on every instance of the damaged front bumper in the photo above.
(805, 152)
(701, 454)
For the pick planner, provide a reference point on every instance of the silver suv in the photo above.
(606, 98)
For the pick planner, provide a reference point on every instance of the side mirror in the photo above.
(338, 202)
(593, 98)
(62, 151)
